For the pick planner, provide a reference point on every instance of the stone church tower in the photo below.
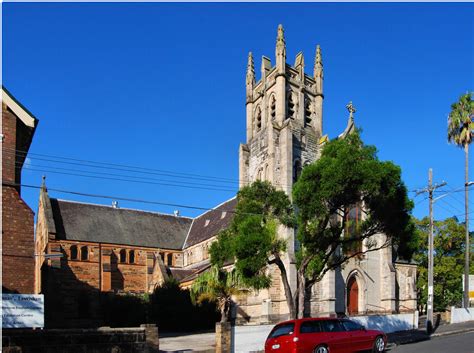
(284, 133)
(284, 127)
(284, 119)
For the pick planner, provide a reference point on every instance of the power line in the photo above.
(52, 169)
(127, 180)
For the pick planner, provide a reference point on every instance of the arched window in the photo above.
(170, 259)
(84, 253)
(352, 231)
(131, 256)
(273, 107)
(73, 252)
(258, 119)
(296, 170)
(123, 256)
(308, 111)
(291, 106)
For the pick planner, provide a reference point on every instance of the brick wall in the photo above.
(17, 218)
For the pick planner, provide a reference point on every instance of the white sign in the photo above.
(22, 310)
(471, 286)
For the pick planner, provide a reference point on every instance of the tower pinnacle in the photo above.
(280, 51)
(250, 70)
(318, 63)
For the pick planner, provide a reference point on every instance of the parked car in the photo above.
(323, 335)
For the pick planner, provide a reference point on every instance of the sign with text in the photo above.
(22, 310)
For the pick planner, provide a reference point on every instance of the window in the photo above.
(307, 111)
(170, 259)
(310, 327)
(84, 253)
(123, 256)
(73, 252)
(131, 256)
(332, 326)
(258, 119)
(282, 330)
(273, 107)
(352, 231)
(291, 106)
(351, 325)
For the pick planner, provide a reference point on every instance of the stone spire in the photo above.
(318, 63)
(250, 78)
(318, 70)
(280, 51)
(350, 123)
(250, 70)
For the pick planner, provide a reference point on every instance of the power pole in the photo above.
(429, 190)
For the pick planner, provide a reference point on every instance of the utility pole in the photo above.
(429, 190)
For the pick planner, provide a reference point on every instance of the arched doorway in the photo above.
(352, 296)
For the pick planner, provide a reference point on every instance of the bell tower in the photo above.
(284, 118)
(284, 126)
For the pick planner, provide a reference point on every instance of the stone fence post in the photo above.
(152, 338)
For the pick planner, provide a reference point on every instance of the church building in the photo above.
(110, 249)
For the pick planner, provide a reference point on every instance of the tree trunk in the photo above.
(467, 249)
(301, 293)
(286, 286)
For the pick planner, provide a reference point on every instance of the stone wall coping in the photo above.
(99, 330)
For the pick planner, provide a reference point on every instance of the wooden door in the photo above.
(352, 296)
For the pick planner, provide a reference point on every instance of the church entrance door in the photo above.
(352, 296)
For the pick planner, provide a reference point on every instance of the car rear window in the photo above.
(332, 326)
(351, 325)
(281, 330)
(310, 327)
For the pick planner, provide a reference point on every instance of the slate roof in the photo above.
(105, 224)
(211, 222)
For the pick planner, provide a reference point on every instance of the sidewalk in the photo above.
(405, 337)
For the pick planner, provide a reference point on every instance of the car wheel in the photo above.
(321, 349)
(379, 345)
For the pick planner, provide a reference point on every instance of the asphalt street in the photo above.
(458, 343)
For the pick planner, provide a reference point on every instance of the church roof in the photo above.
(211, 222)
(105, 224)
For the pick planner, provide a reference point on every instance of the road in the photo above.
(458, 343)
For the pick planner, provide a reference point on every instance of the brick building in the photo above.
(18, 257)
(108, 249)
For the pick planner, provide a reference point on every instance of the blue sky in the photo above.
(162, 86)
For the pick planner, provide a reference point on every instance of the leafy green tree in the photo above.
(252, 240)
(448, 262)
(217, 285)
(348, 173)
(460, 126)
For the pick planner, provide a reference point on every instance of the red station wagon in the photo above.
(323, 335)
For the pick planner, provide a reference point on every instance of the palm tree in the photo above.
(217, 285)
(460, 126)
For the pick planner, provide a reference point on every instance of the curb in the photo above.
(452, 332)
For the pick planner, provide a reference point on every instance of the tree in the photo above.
(348, 176)
(460, 125)
(449, 248)
(252, 240)
(217, 285)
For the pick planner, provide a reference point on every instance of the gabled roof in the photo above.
(211, 222)
(106, 224)
(20, 111)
